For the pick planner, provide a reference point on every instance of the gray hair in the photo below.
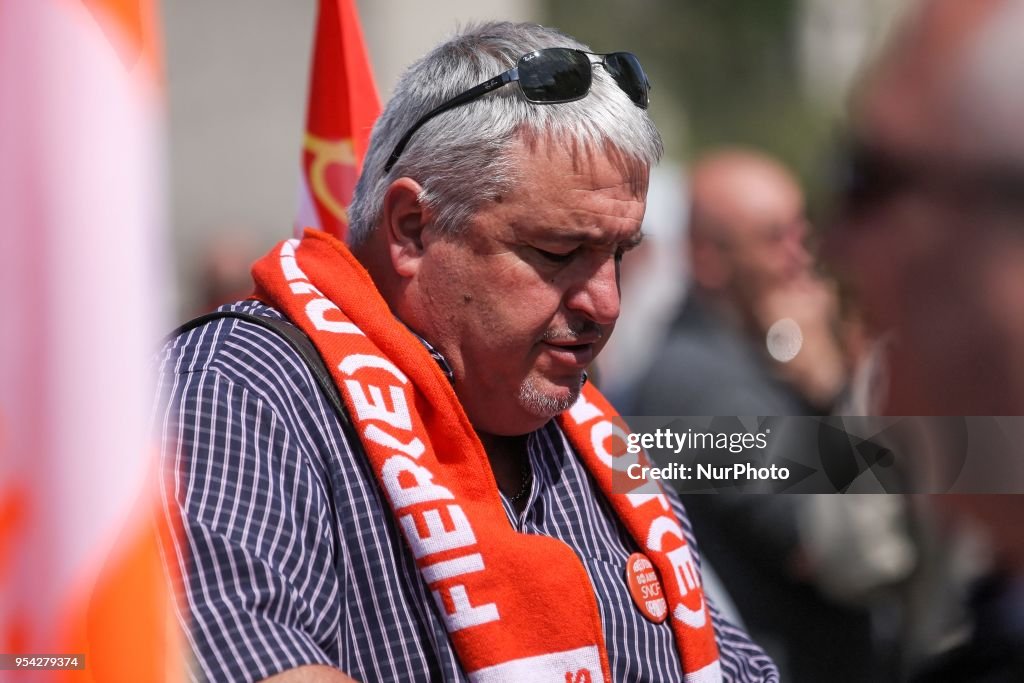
(463, 156)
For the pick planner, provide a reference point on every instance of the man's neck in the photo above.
(728, 312)
(509, 460)
(717, 305)
(373, 255)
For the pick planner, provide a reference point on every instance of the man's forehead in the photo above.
(534, 152)
(626, 236)
(910, 98)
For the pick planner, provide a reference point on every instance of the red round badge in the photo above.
(645, 587)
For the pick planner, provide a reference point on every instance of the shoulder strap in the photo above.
(298, 340)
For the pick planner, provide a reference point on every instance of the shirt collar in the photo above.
(438, 357)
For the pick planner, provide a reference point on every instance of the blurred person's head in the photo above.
(496, 232)
(747, 227)
(931, 225)
(223, 275)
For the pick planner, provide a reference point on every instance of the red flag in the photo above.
(82, 199)
(343, 105)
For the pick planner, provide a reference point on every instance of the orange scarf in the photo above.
(517, 607)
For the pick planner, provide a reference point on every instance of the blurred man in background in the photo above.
(222, 273)
(750, 270)
(931, 235)
(756, 337)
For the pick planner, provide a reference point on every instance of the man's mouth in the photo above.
(574, 344)
(574, 353)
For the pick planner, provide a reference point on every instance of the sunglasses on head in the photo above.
(867, 175)
(549, 76)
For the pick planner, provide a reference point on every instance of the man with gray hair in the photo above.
(389, 463)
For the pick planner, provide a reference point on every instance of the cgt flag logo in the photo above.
(330, 168)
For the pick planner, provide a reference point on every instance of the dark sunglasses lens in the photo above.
(554, 75)
(626, 70)
(865, 178)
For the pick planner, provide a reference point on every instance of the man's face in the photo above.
(769, 252)
(522, 301)
(928, 263)
(756, 227)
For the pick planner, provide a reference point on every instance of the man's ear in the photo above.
(405, 218)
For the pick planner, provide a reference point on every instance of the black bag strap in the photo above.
(298, 340)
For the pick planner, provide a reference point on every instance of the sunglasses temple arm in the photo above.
(471, 94)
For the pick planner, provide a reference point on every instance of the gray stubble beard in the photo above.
(540, 404)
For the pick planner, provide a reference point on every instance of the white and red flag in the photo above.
(343, 104)
(84, 284)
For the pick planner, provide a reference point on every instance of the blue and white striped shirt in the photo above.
(291, 555)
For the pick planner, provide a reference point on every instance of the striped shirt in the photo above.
(291, 555)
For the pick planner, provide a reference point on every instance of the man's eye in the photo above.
(555, 257)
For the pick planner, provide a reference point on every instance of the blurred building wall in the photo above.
(401, 31)
(836, 39)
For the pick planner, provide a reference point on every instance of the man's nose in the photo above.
(596, 295)
(797, 246)
(801, 256)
